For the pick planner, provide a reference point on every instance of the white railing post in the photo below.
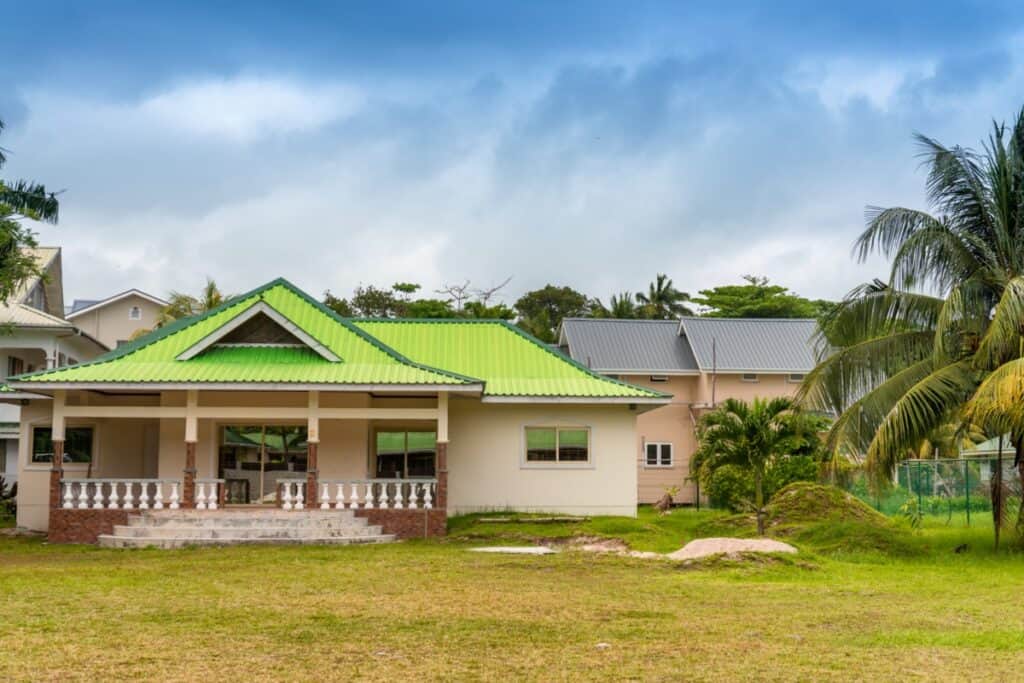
(200, 495)
(112, 500)
(128, 486)
(67, 496)
(83, 495)
(299, 504)
(286, 495)
(158, 496)
(399, 485)
(428, 498)
(213, 498)
(97, 496)
(174, 495)
(369, 499)
(325, 496)
(144, 495)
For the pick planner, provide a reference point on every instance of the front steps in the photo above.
(182, 528)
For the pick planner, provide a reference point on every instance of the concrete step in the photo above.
(252, 519)
(240, 532)
(112, 541)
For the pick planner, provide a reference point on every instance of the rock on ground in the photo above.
(704, 547)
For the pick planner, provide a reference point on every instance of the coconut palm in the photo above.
(938, 344)
(662, 300)
(182, 305)
(753, 436)
(622, 306)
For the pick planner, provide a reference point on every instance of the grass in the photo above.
(432, 610)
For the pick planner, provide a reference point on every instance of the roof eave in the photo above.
(469, 389)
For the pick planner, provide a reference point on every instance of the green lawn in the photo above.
(434, 610)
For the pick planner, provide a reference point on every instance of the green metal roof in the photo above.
(494, 354)
(511, 362)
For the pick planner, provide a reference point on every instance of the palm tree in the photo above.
(20, 199)
(662, 300)
(181, 305)
(622, 305)
(753, 436)
(940, 343)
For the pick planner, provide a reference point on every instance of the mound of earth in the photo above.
(823, 518)
(705, 547)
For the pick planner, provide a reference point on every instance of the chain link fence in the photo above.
(943, 488)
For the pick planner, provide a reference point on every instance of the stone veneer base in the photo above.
(83, 526)
(408, 523)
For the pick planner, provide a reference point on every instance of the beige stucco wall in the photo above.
(673, 424)
(111, 323)
(487, 470)
(121, 449)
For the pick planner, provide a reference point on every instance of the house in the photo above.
(273, 399)
(36, 337)
(117, 319)
(700, 362)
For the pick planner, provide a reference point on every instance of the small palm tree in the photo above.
(752, 436)
(662, 300)
(622, 306)
(181, 305)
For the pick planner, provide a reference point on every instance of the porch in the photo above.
(113, 457)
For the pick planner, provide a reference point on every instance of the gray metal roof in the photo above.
(752, 344)
(613, 345)
(79, 304)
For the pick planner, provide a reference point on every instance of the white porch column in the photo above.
(188, 487)
(57, 438)
(441, 500)
(312, 448)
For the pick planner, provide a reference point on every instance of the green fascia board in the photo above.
(510, 361)
(152, 358)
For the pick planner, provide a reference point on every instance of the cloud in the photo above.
(243, 110)
(596, 173)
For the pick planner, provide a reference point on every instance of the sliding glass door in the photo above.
(254, 457)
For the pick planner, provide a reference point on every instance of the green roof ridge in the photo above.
(363, 334)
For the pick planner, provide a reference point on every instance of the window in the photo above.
(77, 444)
(406, 454)
(659, 378)
(15, 366)
(749, 376)
(135, 313)
(795, 377)
(557, 444)
(658, 455)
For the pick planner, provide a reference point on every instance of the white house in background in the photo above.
(35, 336)
(116, 319)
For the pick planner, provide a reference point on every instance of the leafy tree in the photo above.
(541, 310)
(181, 305)
(940, 344)
(20, 200)
(428, 308)
(753, 437)
(339, 305)
(481, 311)
(757, 299)
(662, 301)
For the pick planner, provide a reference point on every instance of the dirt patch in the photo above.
(704, 547)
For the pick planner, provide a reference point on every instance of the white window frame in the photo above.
(558, 464)
(659, 379)
(751, 377)
(27, 437)
(135, 313)
(795, 377)
(660, 445)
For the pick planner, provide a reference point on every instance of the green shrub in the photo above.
(732, 487)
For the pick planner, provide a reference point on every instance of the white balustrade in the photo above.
(120, 494)
(375, 494)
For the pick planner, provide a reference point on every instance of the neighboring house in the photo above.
(116, 319)
(700, 362)
(274, 398)
(34, 336)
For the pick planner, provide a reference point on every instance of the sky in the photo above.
(590, 144)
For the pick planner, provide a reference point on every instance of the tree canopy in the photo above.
(541, 311)
(20, 200)
(757, 298)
